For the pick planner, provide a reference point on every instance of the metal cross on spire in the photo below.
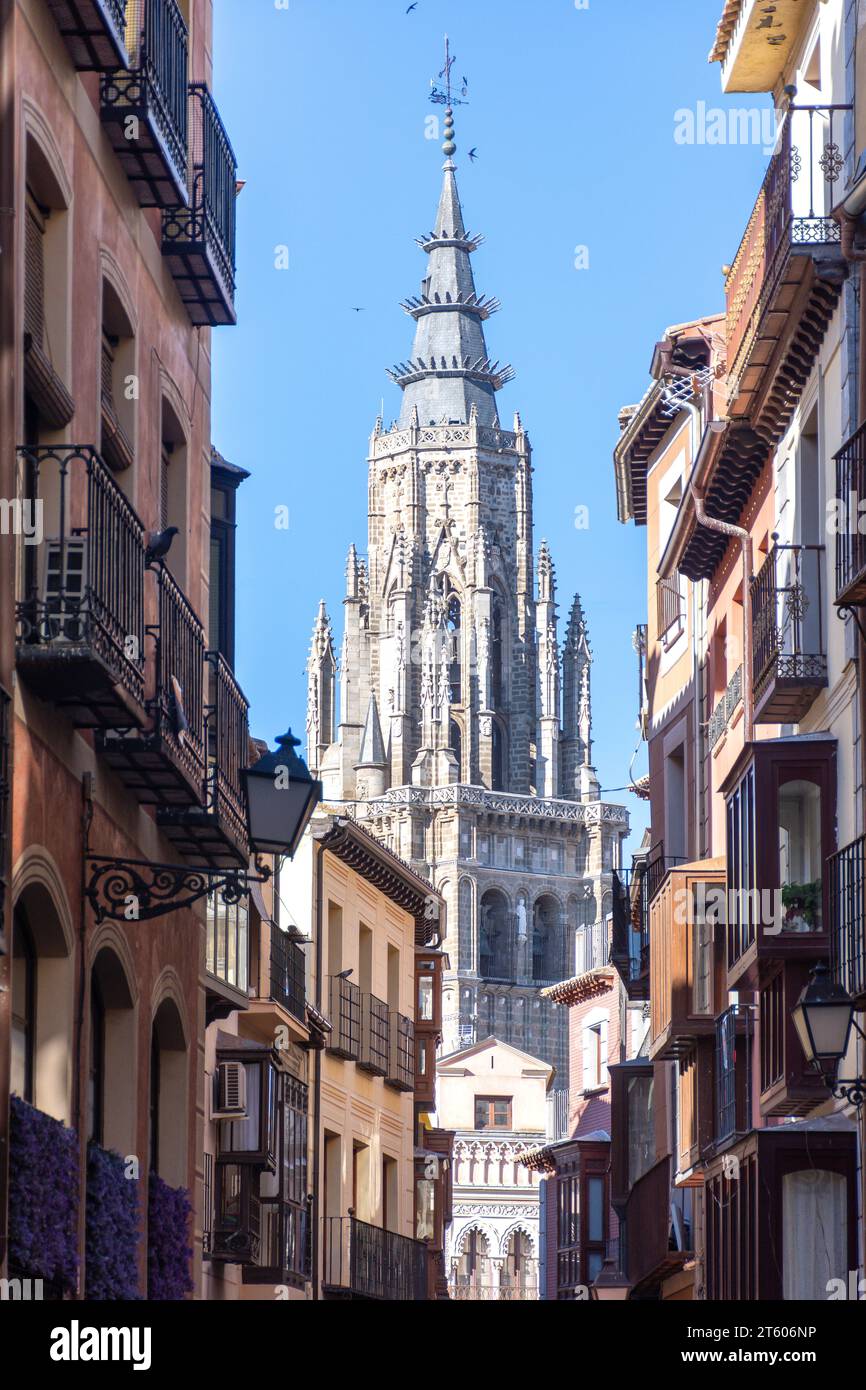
(446, 97)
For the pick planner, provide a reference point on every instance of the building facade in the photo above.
(742, 461)
(495, 1100)
(464, 730)
(123, 730)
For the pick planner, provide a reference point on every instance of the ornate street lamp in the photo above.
(611, 1285)
(823, 1017)
(281, 797)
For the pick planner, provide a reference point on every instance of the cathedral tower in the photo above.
(464, 733)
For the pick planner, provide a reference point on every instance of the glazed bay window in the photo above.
(283, 1254)
(227, 951)
(641, 1126)
(253, 1136)
(781, 799)
(493, 1112)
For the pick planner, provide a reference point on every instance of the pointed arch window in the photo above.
(497, 760)
(496, 652)
(453, 624)
(455, 742)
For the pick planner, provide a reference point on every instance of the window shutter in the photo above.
(604, 1079)
(582, 964)
(588, 1058)
(34, 275)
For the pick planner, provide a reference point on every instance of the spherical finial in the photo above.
(449, 146)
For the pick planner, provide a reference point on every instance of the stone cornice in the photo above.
(459, 794)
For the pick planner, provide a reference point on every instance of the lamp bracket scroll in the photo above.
(135, 890)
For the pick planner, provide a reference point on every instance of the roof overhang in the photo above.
(755, 41)
(362, 852)
(593, 984)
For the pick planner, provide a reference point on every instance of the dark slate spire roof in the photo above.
(450, 370)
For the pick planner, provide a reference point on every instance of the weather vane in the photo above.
(446, 97)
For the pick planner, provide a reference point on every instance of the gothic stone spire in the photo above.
(450, 369)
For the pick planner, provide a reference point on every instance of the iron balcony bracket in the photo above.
(134, 890)
(844, 608)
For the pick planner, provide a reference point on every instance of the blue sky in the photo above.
(572, 114)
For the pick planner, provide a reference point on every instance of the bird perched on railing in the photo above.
(159, 544)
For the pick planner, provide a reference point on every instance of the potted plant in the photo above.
(802, 903)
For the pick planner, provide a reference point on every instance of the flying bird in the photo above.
(412, 7)
(357, 311)
(473, 153)
(159, 544)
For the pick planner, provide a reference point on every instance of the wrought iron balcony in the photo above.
(789, 659)
(629, 949)
(401, 1054)
(850, 540)
(492, 1282)
(724, 710)
(345, 1013)
(364, 1261)
(375, 1035)
(785, 279)
(93, 31)
(216, 830)
(288, 973)
(80, 610)
(164, 764)
(144, 104)
(846, 872)
(199, 241)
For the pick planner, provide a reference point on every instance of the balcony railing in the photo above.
(647, 1249)
(846, 873)
(144, 106)
(491, 1283)
(629, 948)
(345, 1011)
(724, 710)
(733, 1072)
(788, 642)
(401, 1053)
(791, 216)
(80, 611)
(669, 603)
(366, 1261)
(375, 1035)
(288, 973)
(199, 241)
(178, 704)
(850, 540)
(93, 31)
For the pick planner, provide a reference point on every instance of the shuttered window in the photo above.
(34, 273)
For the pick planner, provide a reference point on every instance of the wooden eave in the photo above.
(593, 984)
(385, 871)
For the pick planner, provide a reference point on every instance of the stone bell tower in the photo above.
(464, 732)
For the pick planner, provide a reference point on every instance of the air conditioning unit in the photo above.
(229, 1091)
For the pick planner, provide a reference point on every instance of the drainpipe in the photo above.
(317, 1203)
(725, 528)
(850, 214)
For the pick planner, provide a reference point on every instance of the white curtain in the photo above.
(815, 1233)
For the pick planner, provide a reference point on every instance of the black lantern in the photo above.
(611, 1285)
(823, 1016)
(281, 797)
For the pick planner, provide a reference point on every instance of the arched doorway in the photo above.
(168, 1096)
(42, 1004)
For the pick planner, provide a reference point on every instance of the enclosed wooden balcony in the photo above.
(198, 240)
(846, 874)
(733, 1074)
(144, 105)
(785, 280)
(762, 1200)
(654, 1242)
(94, 32)
(278, 995)
(850, 540)
(164, 763)
(687, 923)
(781, 826)
(789, 648)
(80, 606)
(215, 830)
(789, 1086)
